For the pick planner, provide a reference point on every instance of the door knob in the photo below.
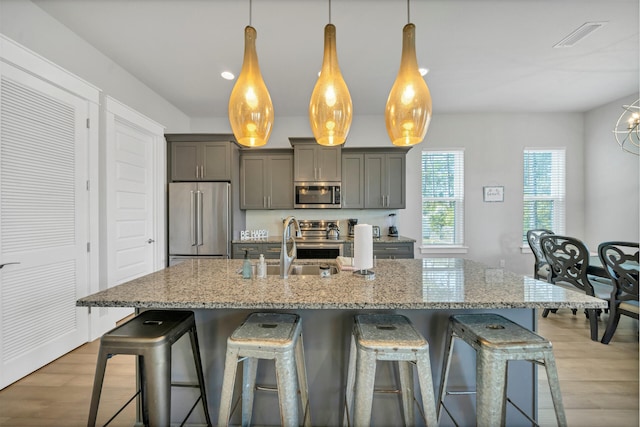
(150, 241)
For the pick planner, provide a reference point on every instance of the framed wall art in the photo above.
(493, 193)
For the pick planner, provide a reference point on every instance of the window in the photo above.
(443, 198)
(544, 191)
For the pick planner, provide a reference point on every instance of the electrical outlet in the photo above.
(502, 263)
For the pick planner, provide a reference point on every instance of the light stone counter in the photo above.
(427, 291)
(430, 283)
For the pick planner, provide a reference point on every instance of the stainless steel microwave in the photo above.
(317, 195)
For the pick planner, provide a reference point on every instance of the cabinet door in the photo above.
(216, 161)
(353, 181)
(184, 161)
(305, 162)
(252, 182)
(271, 250)
(279, 180)
(375, 185)
(395, 172)
(328, 162)
(253, 250)
(393, 250)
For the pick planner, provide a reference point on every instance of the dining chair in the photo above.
(621, 263)
(568, 259)
(540, 266)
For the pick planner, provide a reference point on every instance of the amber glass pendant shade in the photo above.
(250, 106)
(408, 110)
(330, 108)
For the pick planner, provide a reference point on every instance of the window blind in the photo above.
(544, 190)
(443, 197)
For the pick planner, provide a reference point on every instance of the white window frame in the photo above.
(558, 191)
(458, 246)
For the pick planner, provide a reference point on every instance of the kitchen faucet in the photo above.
(286, 257)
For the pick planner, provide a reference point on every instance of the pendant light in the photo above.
(330, 108)
(408, 110)
(250, 106)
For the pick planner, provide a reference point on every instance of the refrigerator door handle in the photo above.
(192, 219)
(200, 237)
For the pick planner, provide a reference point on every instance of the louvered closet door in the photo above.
(43, 222)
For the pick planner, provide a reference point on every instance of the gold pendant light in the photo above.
(330, 105)
(408, 110)
(250, 106)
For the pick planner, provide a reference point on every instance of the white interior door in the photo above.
(134, 202)
(43, 222)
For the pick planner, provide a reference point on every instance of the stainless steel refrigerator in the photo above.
(199, 220)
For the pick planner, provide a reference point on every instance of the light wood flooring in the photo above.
(599, 382)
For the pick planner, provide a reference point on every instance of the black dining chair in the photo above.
(541, 266)
(620, 260)
(568, 259)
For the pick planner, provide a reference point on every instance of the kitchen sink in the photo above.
(301, 269)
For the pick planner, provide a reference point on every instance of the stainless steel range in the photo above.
(315, 244)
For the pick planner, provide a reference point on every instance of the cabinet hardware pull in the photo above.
(7, 263)
(192, 216)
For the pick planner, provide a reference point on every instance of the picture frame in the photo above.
(494, 193)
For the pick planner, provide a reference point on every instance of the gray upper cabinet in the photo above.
(385, 185)
(352, 180)
(266, 179)
(200, 160)
(314, 162)
(374, 178)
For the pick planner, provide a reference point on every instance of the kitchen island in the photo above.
(425, 290)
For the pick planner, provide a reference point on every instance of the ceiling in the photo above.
(483, 55)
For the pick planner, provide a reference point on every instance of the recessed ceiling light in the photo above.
(227, 75)
(579, 34)
(423, 71)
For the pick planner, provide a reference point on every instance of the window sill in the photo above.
(434, 249)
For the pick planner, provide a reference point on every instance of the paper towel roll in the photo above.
(363, 247)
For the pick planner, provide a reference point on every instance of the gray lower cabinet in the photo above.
(393, 250)
(383, 250)
(253, 250)
(374, 178)
(269, 250)
(266, 179)
(199, 160)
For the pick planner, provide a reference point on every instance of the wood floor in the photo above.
(599, 382)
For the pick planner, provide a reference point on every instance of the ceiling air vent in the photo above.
(579, 34)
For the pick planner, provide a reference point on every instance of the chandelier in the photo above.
(626, 131)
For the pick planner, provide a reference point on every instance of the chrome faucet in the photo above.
(286, 257)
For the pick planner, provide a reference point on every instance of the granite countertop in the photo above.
(430, 283)
(342, 239)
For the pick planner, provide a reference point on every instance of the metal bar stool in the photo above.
(272, 336)
(150, 336)
(389, 337)
(498, 340)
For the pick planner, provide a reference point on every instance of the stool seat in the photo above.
(276, 336)
(150, 336)
(389, 337)
(498, 340)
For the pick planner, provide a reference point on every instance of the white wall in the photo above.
(30, 26)
(612, 181)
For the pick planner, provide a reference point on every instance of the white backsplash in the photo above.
(271, 220)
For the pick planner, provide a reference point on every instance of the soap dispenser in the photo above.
(262, 267)
(246, 266)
